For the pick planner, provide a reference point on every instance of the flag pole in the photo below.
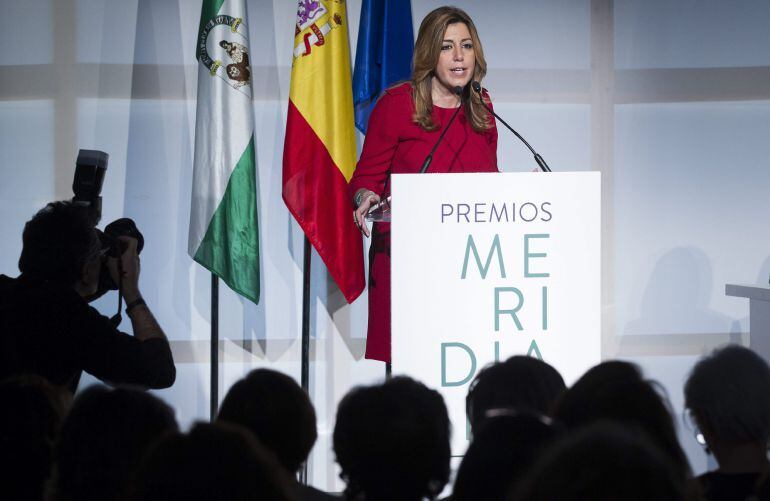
(214, 346)
(305, 376)
(306, 317)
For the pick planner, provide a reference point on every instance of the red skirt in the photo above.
(378, 328)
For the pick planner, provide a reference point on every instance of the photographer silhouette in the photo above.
(46, 324)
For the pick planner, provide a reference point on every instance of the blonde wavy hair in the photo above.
(427, 50)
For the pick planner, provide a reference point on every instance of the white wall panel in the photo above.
(691, 33)
(526, 34)
(26, 171)
(561, 133)
(26, 32)
(690, 214)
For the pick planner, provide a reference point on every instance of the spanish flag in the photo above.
(319, 153)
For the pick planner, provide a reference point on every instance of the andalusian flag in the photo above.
(319, 153)
(223, 215)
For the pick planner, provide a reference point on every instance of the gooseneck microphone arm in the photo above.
(540, 162)
(458, 91)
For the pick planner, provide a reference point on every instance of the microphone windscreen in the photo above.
(476, 86)
(458, 90)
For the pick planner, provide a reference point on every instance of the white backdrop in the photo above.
(669, 100)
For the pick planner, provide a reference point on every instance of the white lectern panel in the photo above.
(485, 266)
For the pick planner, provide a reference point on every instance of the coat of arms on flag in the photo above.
(313, 25)
(222, 49)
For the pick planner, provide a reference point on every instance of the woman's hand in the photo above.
(366, 199)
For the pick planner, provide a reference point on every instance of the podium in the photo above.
(759, 315)
(489, 265)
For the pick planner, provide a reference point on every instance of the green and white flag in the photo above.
(223, 212)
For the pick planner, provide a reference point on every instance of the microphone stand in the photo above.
(540, 162)
(457, 91)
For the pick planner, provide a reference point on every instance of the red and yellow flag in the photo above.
(319, 153)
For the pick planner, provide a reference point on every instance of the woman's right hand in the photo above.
(368, 199)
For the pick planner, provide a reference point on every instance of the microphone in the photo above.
(458, 91)
(540, 162)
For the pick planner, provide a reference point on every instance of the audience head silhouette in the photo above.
(277, 411)
(602, 462)
(522, 383)
(616, 391)
(103, 440)
(33, 410)
(728, 395)
(503, 449)
(392, 441)
(213, 461)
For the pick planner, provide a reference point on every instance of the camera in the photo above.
(90, 170)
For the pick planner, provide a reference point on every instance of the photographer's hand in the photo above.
(142, 320)
(126, 272)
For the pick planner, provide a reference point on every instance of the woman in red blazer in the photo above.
(403, 127)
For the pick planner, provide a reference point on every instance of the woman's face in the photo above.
(457, 59)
